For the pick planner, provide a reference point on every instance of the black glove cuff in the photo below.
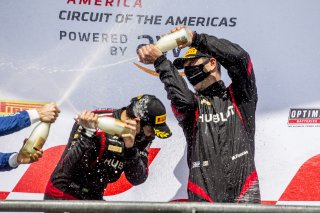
(195, 39)
(131, 153)
(158, 61)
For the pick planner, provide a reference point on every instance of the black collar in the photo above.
(216, 89)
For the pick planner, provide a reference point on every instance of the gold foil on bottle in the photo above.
(39, 143)
(182, 40)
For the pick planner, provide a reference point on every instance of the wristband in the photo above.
(13, 160)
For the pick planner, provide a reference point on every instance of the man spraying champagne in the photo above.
(218, 121)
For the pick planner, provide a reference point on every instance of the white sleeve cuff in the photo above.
(13, 160)
(89, 131)
(33, 115)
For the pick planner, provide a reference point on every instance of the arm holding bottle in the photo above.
(9, 161)
(181, 97)
(13, 123)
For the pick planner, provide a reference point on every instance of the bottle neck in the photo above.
(124, 116)
(45, 123)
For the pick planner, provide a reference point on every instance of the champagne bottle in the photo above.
(173, 40)
(112, 126)
(37, 138)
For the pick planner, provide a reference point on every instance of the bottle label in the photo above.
(182, 40)
(39, 143)
(28, 148)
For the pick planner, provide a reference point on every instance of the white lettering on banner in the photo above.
(206, 118)
(108, 3)
(304, 118)
(145, 19)
(239, 155)
(305, 113)
(98, 37)
(94, 37)
(121, 18)
(114, 50)
(84, 16)
(202, 21)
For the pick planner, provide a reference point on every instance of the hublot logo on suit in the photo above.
(206, 118)
(116, 164)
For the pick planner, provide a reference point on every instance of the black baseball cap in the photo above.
(190, 54)
(152, 112)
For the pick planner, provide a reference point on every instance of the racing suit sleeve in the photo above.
(13, 123)
(136, 165)
(181, 97)
(183, 100)
(79, 147)
(236, 61)
(4, 161)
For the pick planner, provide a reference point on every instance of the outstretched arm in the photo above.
(181, 97)
(235, 59)
(13, 123)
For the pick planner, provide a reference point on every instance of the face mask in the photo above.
(143, 123)
(195, 74)
(141, 137)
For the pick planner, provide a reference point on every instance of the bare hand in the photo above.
(87, 119)
(48, 113)
(28, 158)
(148, 54)
(189, 31)
(134, 127)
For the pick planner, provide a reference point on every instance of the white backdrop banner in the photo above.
(82, 55)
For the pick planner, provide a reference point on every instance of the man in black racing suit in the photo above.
(88, 163)
(218, 121)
